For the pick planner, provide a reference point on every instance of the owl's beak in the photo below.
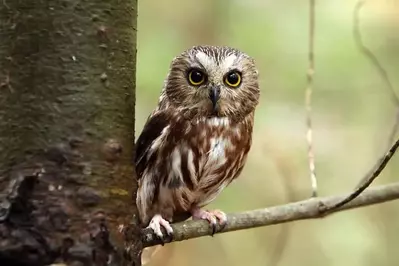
(214, 95)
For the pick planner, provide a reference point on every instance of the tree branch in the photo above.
(301, 210)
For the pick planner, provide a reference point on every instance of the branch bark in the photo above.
(301, 210)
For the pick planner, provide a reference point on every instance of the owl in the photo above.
(196, 141)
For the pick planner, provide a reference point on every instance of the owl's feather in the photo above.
(187, 164)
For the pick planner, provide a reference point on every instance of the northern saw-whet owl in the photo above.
(196, 141)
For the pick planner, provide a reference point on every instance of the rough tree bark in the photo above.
(67, 79)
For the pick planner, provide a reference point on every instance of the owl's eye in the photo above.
(196, 77)
(233, 79)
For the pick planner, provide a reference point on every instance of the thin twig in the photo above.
(307, 209)
(357, 35)
(381, 163)
(308, 99)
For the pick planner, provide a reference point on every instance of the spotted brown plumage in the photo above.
(196, 142)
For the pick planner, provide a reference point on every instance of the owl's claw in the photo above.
(213, 217)
(155, 224)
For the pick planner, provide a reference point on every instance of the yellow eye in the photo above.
(233, 79)
(196, 77)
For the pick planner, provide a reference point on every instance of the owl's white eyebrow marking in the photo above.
(228, 62)
(205, 60)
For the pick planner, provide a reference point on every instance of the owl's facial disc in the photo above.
(207, 81)
(214, 95)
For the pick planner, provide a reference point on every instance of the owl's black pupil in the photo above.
(196, 76)
(233, 78)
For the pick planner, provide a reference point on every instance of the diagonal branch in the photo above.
(381, 163)
(370, 177)
(307, 209)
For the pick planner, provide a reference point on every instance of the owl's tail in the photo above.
(148, 253)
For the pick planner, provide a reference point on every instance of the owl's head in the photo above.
(207, 81)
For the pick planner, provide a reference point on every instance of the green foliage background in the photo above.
(352, 115)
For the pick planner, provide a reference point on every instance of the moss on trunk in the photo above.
(67, 93)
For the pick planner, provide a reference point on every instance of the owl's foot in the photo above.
(155, 224)
(213, 217)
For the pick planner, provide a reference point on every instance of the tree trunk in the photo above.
(67, 94)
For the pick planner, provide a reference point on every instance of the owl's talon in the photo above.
(155, 224)
(213, 217)
(213, 229)
(221, 216)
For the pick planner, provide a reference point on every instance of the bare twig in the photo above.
(307, 209)
(357, 35)
(308, 99)
(381, 163)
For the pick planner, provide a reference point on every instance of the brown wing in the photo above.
(151, 131)
(162, 132)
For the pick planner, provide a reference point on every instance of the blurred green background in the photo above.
(353, 113)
